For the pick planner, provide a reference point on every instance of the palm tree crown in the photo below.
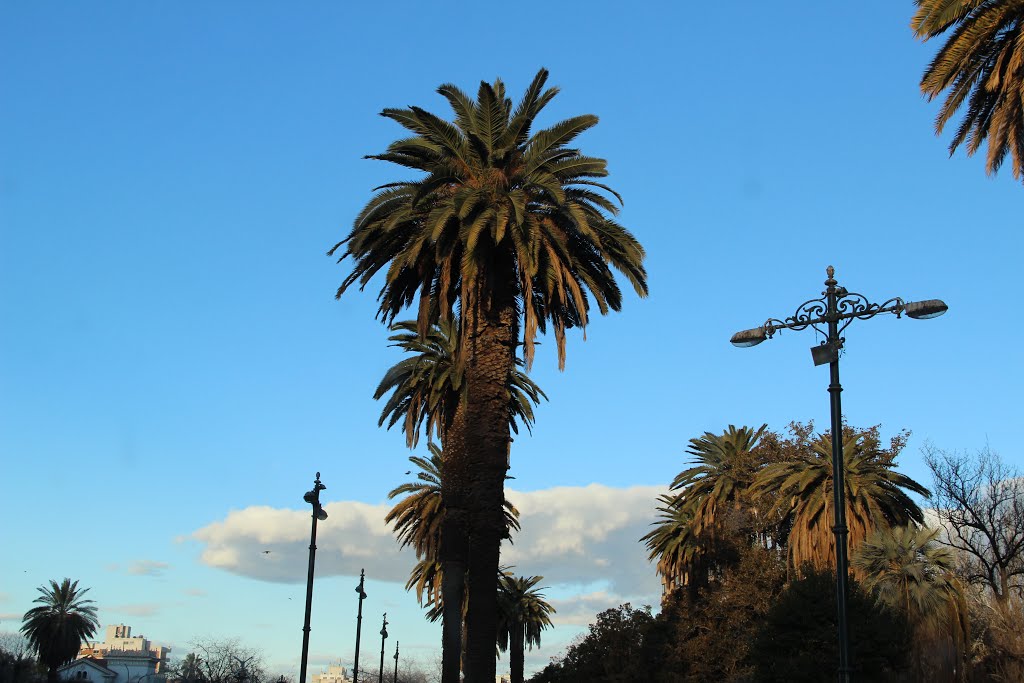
(725, 468)
(908, 570)
(426, 386)
(498, 209)
(524, 614)
(57, 627)
(982, 64)
(875, 497)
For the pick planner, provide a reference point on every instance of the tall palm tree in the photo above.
(511, 230)
(425, 392)
(57, 627)
(909, 571)
(982, 64)
(523, 614)
(875, 497)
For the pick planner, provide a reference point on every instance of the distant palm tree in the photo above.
(909, 571)
(680, 552)
(725, 469)
(512, 229)
(982, 64)
(523, 614)
(875, 497)
(57, 627)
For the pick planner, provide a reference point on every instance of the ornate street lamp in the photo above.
(313, 498)
(395, 679)
(383, 637)
(359, 622)
(830, 315)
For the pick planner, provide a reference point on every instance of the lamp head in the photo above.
(748, 338)
(923, 310)
(310, 497)
(321, 514)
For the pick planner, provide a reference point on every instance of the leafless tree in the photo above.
(222, 660)
(979, 500)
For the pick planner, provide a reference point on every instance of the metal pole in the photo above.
(383, 637)
(395, 679)
(838, 478)
(359, 622)
(313, 498)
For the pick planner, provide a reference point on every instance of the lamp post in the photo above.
(313, 498)
(359, 622)
(383, 637)
(835, 310)
(395, 679)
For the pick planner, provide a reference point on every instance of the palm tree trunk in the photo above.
(454, 547)
(516, 653)
(492, 328)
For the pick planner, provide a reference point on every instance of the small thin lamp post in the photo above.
(313, 498)
(395, 679)
(359, 622)
(836, 309)
(383, 637)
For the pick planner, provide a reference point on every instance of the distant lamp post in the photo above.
(359, 622)
(395, 679)
(383, 637)
(835, 310)
(319, 514)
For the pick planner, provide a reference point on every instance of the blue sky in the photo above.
(171, 176)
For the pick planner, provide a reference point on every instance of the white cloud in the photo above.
(581, 539)
(147, 568)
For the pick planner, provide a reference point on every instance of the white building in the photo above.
(118, 638)
(335, 673)
(120, 658)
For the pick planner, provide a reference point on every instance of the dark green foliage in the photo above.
(16, 663)
(710, 639)
(797, 641)
(57, 627)
(612, 651)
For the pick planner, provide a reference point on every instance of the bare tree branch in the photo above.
(979, 500)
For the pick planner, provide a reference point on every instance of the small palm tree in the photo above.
(523, 614)
(57, 627)
(909, 571)
(875, 497)
(982, 64)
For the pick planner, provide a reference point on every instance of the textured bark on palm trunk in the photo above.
(453, 550)
(492, 344)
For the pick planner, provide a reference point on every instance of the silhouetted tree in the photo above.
(58, 626)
